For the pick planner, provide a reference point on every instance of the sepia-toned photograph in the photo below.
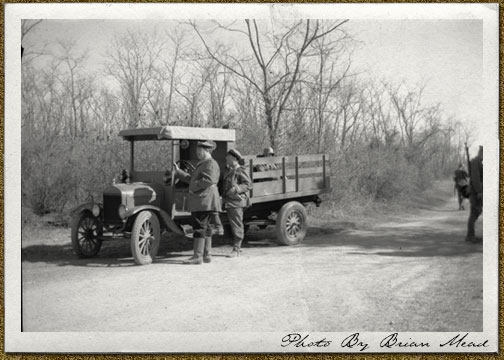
(213, 178)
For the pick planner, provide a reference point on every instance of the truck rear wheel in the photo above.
(145, 237)
(291, 223)
(86, 231)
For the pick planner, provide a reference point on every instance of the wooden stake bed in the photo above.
(291, 177)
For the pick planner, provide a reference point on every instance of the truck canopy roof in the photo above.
(178, 133)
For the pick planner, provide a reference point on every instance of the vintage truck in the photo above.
(139, 205)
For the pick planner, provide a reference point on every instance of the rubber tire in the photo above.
(145, 256)
(291, 210)
(96, 244)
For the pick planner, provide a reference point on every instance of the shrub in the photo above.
(47, 179)
(64, 172)
(363, 176)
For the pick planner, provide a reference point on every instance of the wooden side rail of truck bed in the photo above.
(291, 176)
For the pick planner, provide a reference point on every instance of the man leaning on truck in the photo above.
(203, 199)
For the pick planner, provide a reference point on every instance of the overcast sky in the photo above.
(446, 54)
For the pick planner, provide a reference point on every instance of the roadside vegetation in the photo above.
(296, 91)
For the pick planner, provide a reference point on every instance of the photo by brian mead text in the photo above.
(392, 341)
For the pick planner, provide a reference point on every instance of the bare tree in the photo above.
(106, 110)
(192, 89)
(326, 81)
(178, 42)
(218, 88)
(274, 66)
(350, 106)
(27, 26)
(411, 112)
(167, 76)
(44, 103)
(78, 86)
(133, 60)
(383, 124)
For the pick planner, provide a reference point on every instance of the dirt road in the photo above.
(410, 273)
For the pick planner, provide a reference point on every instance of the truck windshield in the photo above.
(153, 155)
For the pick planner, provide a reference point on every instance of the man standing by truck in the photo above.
(235, 193)
(202, 201)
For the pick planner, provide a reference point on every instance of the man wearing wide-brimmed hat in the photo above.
(203, 199)
(235, 193)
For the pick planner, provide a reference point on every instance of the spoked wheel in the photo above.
(145, 238)
(86, 231)
(291, 223)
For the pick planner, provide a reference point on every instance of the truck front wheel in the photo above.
(291, 223)
(86, 231)
(145, 238)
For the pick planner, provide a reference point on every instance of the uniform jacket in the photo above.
(203, 192)
(236, 185)
(477, 175)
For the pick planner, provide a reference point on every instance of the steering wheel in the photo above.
(186, 166)
(183, 165)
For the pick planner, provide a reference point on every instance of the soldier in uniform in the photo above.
(235, 193)
(203, 199)
(476, 196)
(460, 177)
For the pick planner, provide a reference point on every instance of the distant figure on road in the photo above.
(476, 196)
(460, 177)
(235, 193)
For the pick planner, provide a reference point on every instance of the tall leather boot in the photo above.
(195, 248)
(197, 258)
(207, 252)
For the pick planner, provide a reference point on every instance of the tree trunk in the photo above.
(268, 110)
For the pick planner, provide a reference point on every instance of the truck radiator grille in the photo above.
(110, 208)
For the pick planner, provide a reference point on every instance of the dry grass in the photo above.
(362, 211)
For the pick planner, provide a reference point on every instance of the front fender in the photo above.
(163, 216)
(86, 206)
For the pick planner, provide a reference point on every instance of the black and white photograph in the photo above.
(251, 178)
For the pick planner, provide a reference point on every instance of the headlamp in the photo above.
(122, 211)
(96, 210)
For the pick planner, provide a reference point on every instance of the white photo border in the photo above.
(128, 342)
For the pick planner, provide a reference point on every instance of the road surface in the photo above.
(409, 273)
